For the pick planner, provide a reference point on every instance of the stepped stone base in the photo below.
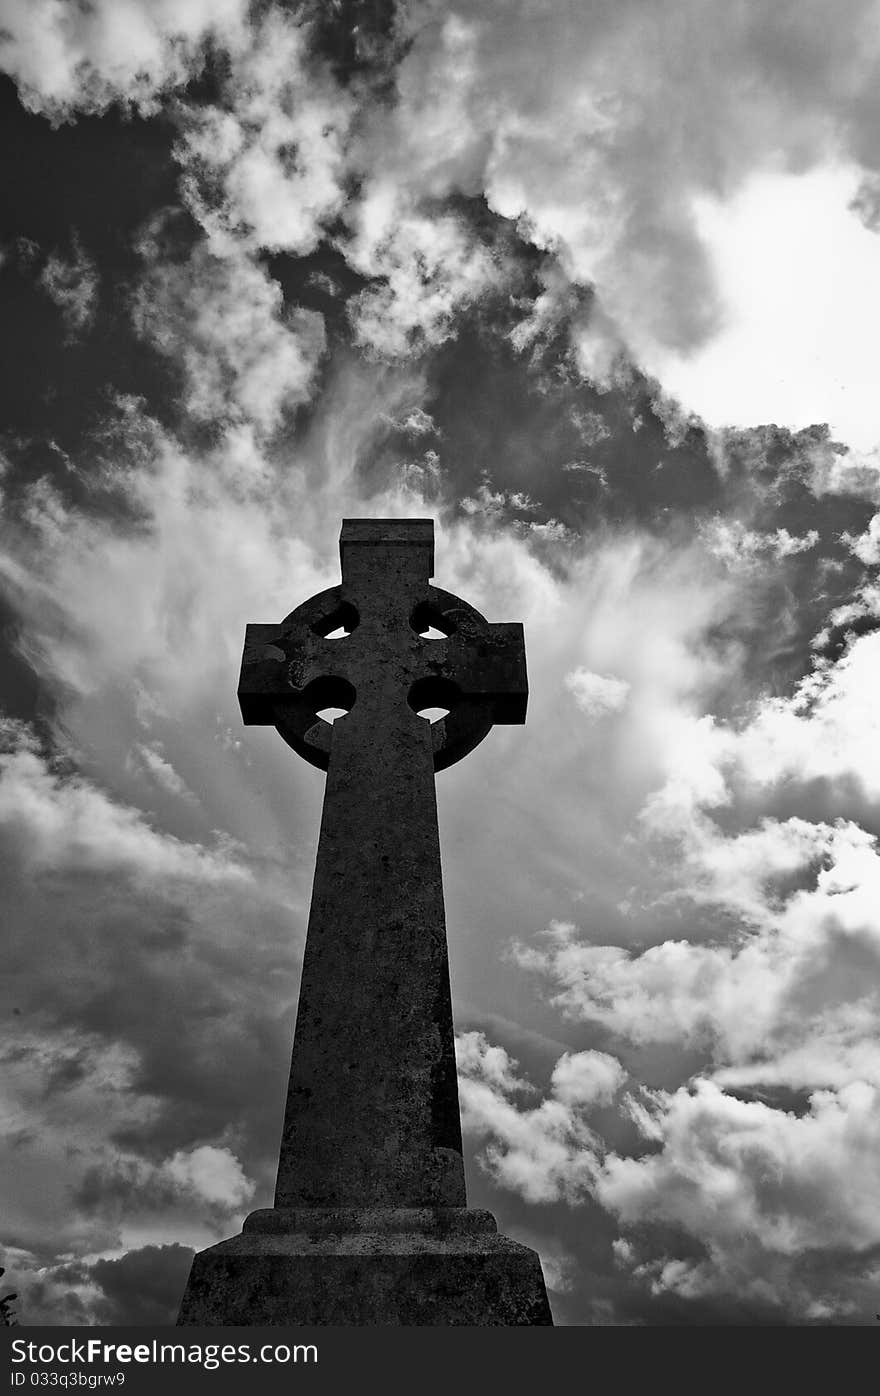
(365, 1268)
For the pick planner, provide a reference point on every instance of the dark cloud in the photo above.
(143, 1286)
(99, 179)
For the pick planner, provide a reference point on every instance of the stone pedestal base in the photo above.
(360, 1268)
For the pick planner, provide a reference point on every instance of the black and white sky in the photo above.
(596, 286)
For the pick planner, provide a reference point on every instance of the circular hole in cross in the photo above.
(430, 623)
(338, 623)
(433, 698)
(330, 698)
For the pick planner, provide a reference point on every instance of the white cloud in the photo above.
(741, 1175)
(736, 545)
(547, 1153)
(209, 1174)
(151, 759)
(478, 1059)
(782, 355)
(587, 1078)
(265, 166)
(497, 504)
(761, 1189)
(745, 1003)
(62, 821)
(638, 170)
(771, 984)
(699, 220)
(596, 694)
(428, 268)
(69, 57)
(866, 546)
(160, 604)
(72, 283)
(783, 899)
(66, 1096)
(863, 604)
(245, 358)
(417, 423)
(827, 730)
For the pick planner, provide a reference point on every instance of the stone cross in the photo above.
(372, 1133)
(372, 1111)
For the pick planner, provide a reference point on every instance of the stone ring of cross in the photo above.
(318, 636)
(467, 721)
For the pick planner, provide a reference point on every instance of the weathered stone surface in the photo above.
(372, 1121)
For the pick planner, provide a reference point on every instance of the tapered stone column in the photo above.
(370, 1223)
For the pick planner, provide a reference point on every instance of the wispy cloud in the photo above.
(72, 283)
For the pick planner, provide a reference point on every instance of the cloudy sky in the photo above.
(596, 286)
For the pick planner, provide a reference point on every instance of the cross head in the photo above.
(379, 666)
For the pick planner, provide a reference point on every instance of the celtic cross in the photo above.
(372, 1117)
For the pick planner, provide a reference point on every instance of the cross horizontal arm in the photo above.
(491, 667)
(276, 667)
(263, 680)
